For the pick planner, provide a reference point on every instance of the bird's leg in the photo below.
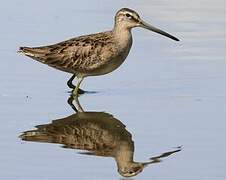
(80, 109)
(72, 86)
(70, 102)
(75, 92)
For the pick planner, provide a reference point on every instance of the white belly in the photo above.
(111, 64)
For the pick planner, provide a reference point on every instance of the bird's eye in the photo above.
(128, 15)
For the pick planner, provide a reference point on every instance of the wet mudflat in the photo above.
(167, 94)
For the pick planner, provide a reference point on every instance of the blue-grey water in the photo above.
(167, 93)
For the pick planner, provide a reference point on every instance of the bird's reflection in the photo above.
(96, 133)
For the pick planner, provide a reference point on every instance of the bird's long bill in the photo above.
(145, 164)
(154, 29)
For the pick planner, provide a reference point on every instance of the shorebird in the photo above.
(95, 133)
(94, 54)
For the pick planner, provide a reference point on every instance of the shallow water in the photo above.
(167, 93)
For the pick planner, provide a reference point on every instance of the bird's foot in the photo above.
(77, 91)
(80, 91)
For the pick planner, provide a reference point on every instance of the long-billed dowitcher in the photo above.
(95, 54)
(95, 133)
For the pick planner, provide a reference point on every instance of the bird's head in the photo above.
(131, 169)
(127, 18)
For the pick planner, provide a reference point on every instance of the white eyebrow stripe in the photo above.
(131, 14)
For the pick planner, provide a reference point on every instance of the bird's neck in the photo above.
(124, 154)
(122, 35)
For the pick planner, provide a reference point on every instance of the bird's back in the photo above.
(82, 55)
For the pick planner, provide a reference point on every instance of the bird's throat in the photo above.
(123, 36)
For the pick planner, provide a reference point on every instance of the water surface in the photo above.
(167, 93)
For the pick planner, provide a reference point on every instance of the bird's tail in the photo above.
(34, 135)
(27, 51)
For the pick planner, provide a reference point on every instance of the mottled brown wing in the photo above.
(74, 55)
